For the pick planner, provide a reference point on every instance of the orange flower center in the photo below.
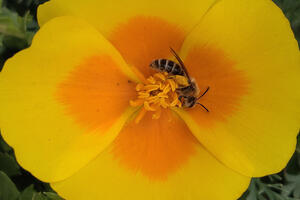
(159, 91)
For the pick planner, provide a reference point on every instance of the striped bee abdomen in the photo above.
(168, 66)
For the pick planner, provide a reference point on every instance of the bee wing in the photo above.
(181, 63)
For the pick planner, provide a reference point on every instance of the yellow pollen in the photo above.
(158, 92)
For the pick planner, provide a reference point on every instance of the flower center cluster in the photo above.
(158, 91)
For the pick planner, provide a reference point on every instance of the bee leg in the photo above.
(181, 98)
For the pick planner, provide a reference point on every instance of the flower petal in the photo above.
(258, 136)
(141, 30)
(105, 15)
(143, 39)
(155, 148)
(56, 95)
(196, 178)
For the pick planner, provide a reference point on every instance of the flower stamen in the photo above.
(159, 91)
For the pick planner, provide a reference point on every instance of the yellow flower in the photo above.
(85, 112)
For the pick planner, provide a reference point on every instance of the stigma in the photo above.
(157, 92)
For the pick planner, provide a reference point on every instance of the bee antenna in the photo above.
(203, 93)
(203, 107)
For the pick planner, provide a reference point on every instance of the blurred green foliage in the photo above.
(17, 27)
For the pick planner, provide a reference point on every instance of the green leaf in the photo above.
(39, 196)
(9, 165)
(46, 196)
(11, 23)
(292, 187)
(31, 194)
(21, 28)
(28, 193)
(52, 196)
(14, 43)
(8, 190)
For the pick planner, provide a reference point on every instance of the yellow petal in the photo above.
(258, 137)
(142, 31)
(105, 15)
(200, 179)
(54, 98)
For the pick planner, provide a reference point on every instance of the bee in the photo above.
(187, 90)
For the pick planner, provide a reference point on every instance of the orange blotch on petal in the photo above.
(155, 148)
(211, 68)
(144, 39)
(96, 93)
